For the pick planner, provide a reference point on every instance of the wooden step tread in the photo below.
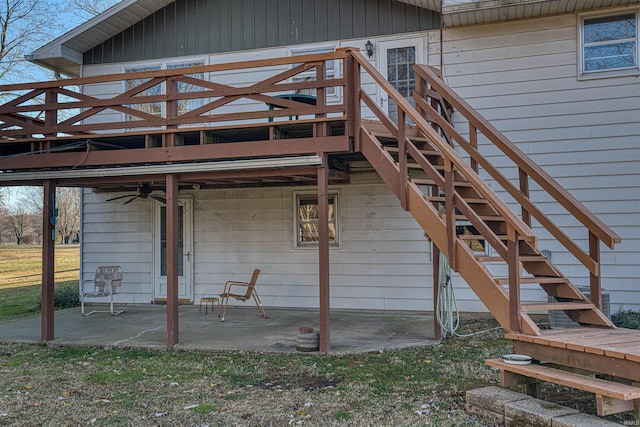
(486, 218)
(423, 152)
(482, 258)
(551, 306)
(570, 379)
(531, 280)
(423, 181)
(468, 200)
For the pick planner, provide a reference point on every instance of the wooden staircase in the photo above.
(449, 197)
(427, 203)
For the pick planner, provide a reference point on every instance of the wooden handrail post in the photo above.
(450, 213)
(50, 117)
(320, 129)
(171, 109)
(402, 158)
(513, 261)
(595, 284)
(524, 189)
(473, 141)
(352, 99)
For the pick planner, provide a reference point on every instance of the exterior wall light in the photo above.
(369, 47)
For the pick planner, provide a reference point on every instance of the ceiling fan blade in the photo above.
(119, 197)
(159, 198)
(131, 199)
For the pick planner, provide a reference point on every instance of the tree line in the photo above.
(21, 215)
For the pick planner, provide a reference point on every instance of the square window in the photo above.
(610, 43)
(306, 224)
(329, 72)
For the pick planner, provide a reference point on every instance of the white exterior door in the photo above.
(185, 251)
(397, 58)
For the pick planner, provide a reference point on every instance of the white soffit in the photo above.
(457, 13)
(64, 54)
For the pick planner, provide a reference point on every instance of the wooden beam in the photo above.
(323, 253)
(172, 260)
(48, 257)
(281, 147)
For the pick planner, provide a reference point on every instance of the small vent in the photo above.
(559, 319)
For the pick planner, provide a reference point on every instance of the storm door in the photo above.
(185, 251)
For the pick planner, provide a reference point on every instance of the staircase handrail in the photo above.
(447, 151)
(603, 232)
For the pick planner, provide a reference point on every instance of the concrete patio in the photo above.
(243, 329)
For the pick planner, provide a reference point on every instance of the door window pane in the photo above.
(400, 74)
(163, 241)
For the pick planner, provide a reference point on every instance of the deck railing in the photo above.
(157, 101)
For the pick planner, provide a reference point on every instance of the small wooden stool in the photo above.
(209, 300)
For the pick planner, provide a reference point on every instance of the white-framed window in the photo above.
(330, 72)
(609, 44)
(157, 108)
(306, 219)
(154, 108)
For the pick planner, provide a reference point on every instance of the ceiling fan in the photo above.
(144, 192)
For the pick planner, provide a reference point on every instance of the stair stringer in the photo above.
(474, 272)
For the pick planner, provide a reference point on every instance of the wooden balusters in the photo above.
(524, 189)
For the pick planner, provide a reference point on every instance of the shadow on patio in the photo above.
(243, 329)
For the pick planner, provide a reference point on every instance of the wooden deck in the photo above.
(573, 357)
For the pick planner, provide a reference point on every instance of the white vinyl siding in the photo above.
(383, 262)
(521, 77)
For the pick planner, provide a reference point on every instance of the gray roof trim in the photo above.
(64, 54)
(457, 13)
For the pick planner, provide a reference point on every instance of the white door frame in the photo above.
(185, 281)
(418, 42)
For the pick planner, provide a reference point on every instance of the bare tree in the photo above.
(67, 204)
(68, 221)
(87, 9)
(18, 222)
(24, 24)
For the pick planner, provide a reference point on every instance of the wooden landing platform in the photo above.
(573, 356)
(615, 343)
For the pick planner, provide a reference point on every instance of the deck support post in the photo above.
(450, 214)
(437, 328)
(323, 252)
(595, 285)
(48, 264)
(172, 260)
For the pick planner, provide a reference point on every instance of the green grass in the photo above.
(22, 265)
(20, 278)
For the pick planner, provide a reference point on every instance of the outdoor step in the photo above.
(597, 386)
(499, 259)
(486, 218)
(530, 280)
(551, 306)
(468, 200)
(423, 181)
(423, 152)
